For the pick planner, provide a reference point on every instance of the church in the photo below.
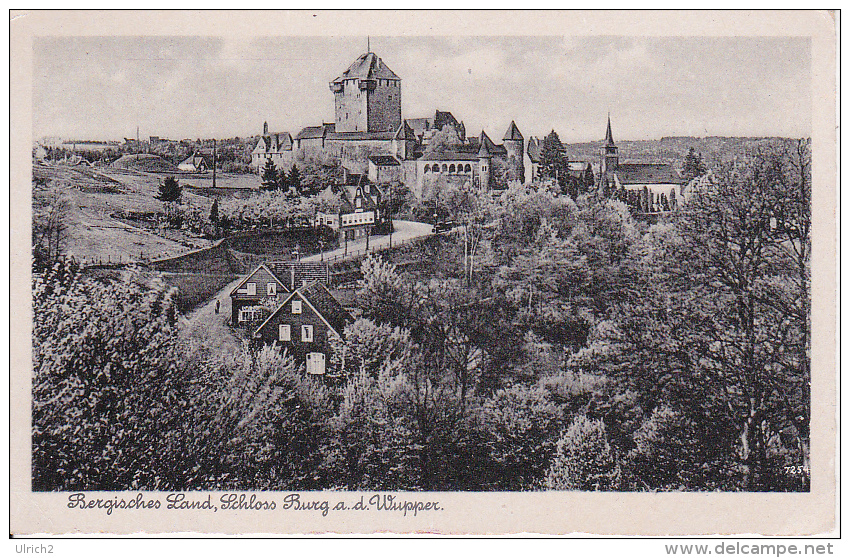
(650, 188)
(371, 139)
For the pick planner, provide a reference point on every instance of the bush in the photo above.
(584, 459)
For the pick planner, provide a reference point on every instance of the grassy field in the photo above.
(97, 193)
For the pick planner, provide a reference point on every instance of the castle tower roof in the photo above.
(367, 67)
(487, 145)
(609, 137)
(513, 133)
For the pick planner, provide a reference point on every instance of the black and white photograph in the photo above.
(411, 263)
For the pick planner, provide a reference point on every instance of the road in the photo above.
(404, 230)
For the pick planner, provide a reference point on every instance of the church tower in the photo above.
(610, 157)
(367, 97)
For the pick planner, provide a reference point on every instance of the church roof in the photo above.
(367, 66)
(647, 173)
(513, 132)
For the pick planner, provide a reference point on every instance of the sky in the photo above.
(102, 88)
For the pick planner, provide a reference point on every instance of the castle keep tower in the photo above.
(367, 97)
(513, 142)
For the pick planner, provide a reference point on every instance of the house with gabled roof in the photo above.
(304, 324)
(194, 163)
(267, 285)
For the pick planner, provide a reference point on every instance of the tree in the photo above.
(692, 166)
(444, 140)
(170, 190)
(51, 208)
(270, 176)
(293, 179)
(214, 212)
(107, 391)
(553, 159)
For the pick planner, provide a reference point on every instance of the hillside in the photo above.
(671, 149)
(145, 163)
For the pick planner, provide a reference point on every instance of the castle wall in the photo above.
(384, 106)
(350, 108)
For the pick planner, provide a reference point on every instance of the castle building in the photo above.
(370, 138)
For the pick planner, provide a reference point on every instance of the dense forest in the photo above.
(552, 343)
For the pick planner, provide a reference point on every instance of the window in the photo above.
(358, 202)
(315, 363)
(467, 168)
(252, 289)
(247, 314)
(427, 168)
(271, 289)
(451, 169)
(445, 168)
(307, 333)
(296, 306)
(284, 332)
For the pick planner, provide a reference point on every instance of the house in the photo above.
(266, 286)
(194, 163)
(384, 169)
(359, 209)
(304, 324)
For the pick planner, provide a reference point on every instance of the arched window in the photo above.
(467, 168)
(426, 169)
(451, 169)
(445, 168)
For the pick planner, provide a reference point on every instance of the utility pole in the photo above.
(214, 146)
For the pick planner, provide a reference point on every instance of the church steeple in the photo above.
(609, 137)
(610, 158)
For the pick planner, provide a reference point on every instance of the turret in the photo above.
(485, 158)
(265, 128)
(513, 142)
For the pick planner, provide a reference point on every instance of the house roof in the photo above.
(513, 132)
(351, 136)
(256, 269)
(194, 160)
(312, 132)
(405, 132)
(580, 166)
(317, 296)
(367, 66)
(647, 173)
(329, 308)
(384, 160)
(295, 273)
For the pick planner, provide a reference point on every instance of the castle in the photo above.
(370, 138)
